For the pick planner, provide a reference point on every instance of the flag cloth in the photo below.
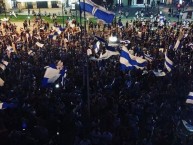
(97, 11)
(3, 64)
(168, 62)
(189, 100)
(108, 54)
(53, 73)
(101, 40)
(13, 13)
(6, 105)
(177, 45)
(148, 57)
(39, 44)
(159, 73)
(187, 126)
(129, 61)
(96, 46)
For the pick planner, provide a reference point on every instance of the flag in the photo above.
(53, 73)
(39, 44)
(31, 53)
(13, 13)
(3, 64)
(189, 100)
(97, 11)
(159, 73)
(148, 57)
(1, 82)
(107, 54)
(5, 105)
(168, 62)
(96, 46)
(125, 41)
(187, 126)
(129, 61)
(177, 45)
(101, 40)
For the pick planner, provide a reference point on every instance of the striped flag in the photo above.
(129, 61)
(168, 62)
(148, 57)
(189, 100)
(159, 73)
(187, 126)
(1, 82)
(53, 73)
(5, 105)
(97, 11)
(3, 64)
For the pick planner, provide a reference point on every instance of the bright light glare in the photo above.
(113, 39)
(57, 86)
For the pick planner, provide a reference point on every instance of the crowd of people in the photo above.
(132, 107)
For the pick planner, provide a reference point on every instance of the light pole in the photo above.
(4, 10)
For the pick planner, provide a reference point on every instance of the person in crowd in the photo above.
(131, 107)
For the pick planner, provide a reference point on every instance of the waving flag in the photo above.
(129, 61)
(101, 39)
(39, 44)
(3, 64)
(187, 126)
(13, 13)
(97, 11)
(148, 57)
(168, 62)
(96, 46)
(6, 105)
(159, 73)
(189, 100)
(53, 73)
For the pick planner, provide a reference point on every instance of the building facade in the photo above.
(24, 4)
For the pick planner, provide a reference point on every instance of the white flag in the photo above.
(39, 44)
(13, 13)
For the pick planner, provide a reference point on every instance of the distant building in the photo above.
(24, 4)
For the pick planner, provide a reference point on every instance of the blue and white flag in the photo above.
(101, 39)
(189, 100)
(5, 105)
(188, 126)
(3, 64)
(125, 41)
(159, 73)
(108, 54)
(148, 57)
(168, 62)
(97, 11)
(129, 61)
(177, 45)
(110, 51)
(96, 46)
(53, 73)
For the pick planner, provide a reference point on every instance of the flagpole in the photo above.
(87, 67)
